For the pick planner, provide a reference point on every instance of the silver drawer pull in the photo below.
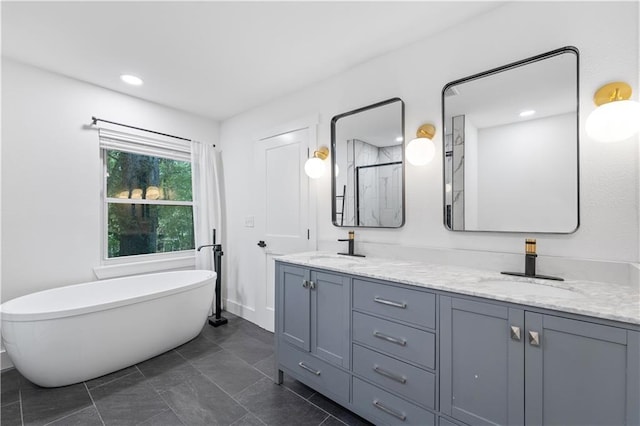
(311, 370)
(400, 342)
(401, 305)
(388, 410)
(390, 375)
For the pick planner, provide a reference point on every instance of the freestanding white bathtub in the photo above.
(70, 334)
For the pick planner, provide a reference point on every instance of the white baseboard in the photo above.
(241, 310)
(5, 362)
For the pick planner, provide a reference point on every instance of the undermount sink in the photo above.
(336, 260)
(523, 288)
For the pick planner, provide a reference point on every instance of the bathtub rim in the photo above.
(9, 316)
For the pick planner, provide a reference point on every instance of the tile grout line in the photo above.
(232, 396)
(159, 393)
(20, 401)
(168, 406)
(329, 415)
(293, 392)
(110, 381)
(224, 391)
(332, 416)
(93, 402)
(74, 412)
(162, 412)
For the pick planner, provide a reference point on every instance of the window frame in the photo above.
(141, 145)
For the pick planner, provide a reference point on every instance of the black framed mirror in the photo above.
(510, 147)
(367, 166)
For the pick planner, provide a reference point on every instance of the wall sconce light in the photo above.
(617, 117)
(421, 150)
(314, 166)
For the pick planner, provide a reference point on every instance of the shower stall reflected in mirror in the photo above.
(377, 204)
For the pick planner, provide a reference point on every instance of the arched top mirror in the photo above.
(510, 154)
(367, 166)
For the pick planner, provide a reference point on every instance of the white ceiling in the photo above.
(215, 58)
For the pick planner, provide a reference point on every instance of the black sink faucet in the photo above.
(530, 257)
(530, 263)
(352, 241)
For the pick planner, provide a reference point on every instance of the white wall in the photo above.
(417, 73)
(51, 172)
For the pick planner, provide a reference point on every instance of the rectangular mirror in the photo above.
(367, 166)
(511, 147)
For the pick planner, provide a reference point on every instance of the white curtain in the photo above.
(206, 199)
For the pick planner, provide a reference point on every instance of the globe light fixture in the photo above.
(314, 166)
(421, 150)
(616, 118)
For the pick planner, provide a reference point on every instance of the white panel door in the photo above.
(283, 219)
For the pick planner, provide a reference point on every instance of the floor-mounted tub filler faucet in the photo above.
(217, 319)
(352, 243)
(530, 256)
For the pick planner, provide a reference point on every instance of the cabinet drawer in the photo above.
(323, 376)
(417, 307)
(388, 409)
(445, 422)
(394, 375)
(405, 342)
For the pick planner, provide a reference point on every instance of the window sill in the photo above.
(144, 267)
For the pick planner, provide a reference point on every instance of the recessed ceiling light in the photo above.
(527, 113)
(131, 79)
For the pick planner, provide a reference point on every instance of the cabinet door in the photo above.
(295, 306)
(330, 303)
(481, 363)
(580, 373)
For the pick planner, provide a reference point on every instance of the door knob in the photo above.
(262, 244)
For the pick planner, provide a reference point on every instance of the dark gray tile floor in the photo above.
(222, 377)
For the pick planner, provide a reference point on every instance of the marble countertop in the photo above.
(597, 299)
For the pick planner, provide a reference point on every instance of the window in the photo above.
(148, 196)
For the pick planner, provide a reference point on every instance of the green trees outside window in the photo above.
(149, 204)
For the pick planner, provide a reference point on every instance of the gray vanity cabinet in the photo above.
(580, 373)
(481, 366)
(399, 354)
(503, 365)
(315, 312)
(295, 302)
(312, 329)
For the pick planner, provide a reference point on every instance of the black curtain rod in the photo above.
(95, 121)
